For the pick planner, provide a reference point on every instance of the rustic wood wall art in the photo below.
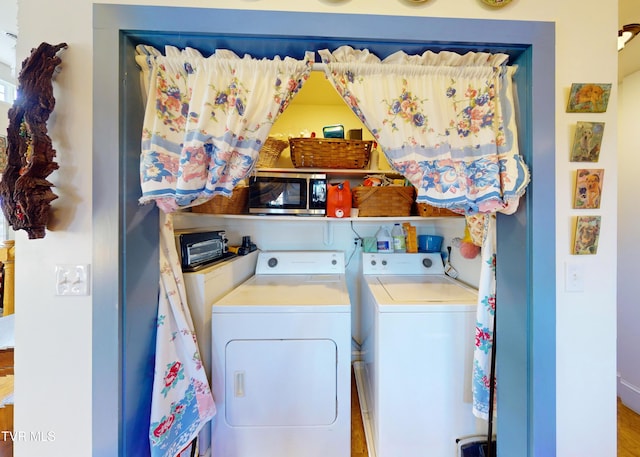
(25, 191)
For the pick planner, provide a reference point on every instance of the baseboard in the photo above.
(629, 394)
(361, 383)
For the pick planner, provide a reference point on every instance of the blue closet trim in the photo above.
(122, 338)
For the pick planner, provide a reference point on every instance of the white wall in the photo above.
(53, 334)
(4, 120)
(628, 285)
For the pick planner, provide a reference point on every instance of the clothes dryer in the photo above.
(417, 353)
(281, 368)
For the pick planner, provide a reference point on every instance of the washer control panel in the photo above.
(422, 263)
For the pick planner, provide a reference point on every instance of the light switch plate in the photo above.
(574, 277)
(72, 279)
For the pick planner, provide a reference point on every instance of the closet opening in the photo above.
(126, 234)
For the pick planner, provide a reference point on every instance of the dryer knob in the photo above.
(427, 262)
(374, 263)
(272, 262)
(384, 262)
(334, 262)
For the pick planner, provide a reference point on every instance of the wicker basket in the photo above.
(329, 153)
(235, 204)
(425, 210)
(383, 200)
(270, 152)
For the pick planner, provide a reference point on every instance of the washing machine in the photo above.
(281, 359)
(418, 330)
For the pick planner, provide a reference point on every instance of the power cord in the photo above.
(357, 242)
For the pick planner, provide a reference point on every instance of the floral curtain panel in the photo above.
(182, 402)
(207, 118)
(205, 122)
(446, 122)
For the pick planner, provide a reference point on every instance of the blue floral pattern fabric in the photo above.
(182, 402)
(445, 121)
(205, 122)
(485, 319)
(206, 119)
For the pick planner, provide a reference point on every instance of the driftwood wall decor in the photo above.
(25, 192)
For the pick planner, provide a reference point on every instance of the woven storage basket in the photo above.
(383, 200)
(270, 152)
(329, 153)
(425, 210)
(219, 204)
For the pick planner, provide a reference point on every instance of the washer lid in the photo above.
(392, 292)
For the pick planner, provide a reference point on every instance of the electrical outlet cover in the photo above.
(72, 279)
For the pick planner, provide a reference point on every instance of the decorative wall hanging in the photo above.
(3, 152)
(26, 194)
(588, 188)
(587, 235)
(497, 3)
(587, 141)
(588, 98)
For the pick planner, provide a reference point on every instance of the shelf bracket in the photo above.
(328, 233)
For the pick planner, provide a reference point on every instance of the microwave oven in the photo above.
(301, 193)
(199, 249)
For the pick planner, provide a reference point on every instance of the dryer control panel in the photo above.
(300, 262)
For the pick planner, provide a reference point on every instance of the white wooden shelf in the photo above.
(334, 171)
(274, 217)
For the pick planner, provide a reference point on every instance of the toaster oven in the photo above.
(198, 249)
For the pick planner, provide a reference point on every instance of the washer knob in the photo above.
(374, 263)
(427, 262)
(272, 262)
(384, 262)
(334, 262)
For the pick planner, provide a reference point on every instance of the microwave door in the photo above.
(295, 195)
(272, 193)
(318, 197)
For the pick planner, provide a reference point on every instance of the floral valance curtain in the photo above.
(207, 118)
(445, 121)
(205, 122)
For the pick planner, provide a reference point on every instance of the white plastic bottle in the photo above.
(399, 239)
(384, 240)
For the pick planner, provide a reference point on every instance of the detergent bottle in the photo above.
(339, 200)
(384, 240)
(399, 238)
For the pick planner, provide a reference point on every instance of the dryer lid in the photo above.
(288, 293)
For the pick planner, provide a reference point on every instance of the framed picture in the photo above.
(588, 98)
(587, 142)
(587, 235)
(588, 188)
(3, 153)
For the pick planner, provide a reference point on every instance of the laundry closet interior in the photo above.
(181, 27)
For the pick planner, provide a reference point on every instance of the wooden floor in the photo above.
(628, 429)
(628, 432)
(358, 440)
